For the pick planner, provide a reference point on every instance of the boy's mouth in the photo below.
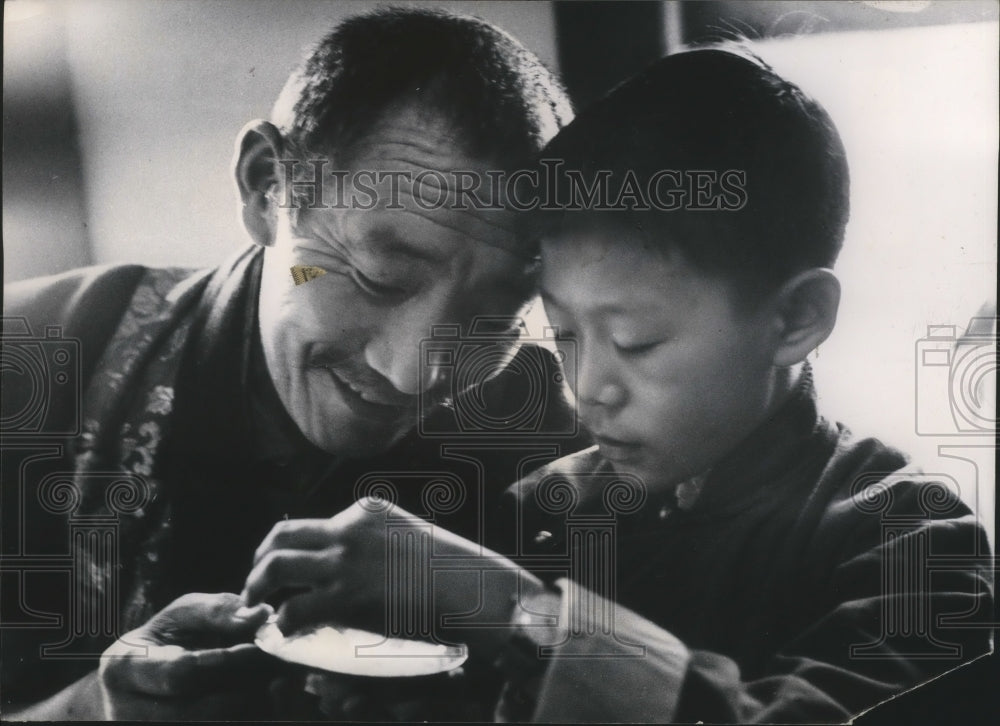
(617, 450)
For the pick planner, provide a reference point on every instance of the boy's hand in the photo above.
(343, 566)
(193, 659)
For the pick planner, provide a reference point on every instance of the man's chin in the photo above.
(347, 426)
(354, 438)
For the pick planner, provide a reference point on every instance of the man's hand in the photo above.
(193, 659)
(336, 564)
(343, 569)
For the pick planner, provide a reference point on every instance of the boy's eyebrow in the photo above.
(607, 308)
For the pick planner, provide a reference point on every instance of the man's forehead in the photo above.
(458, 201)
(411, 170)
(409, 136)
(417, 133)
(408, 236)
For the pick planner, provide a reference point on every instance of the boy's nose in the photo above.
(608, 395)
(597, 383)
(611, 394)
(598, 411)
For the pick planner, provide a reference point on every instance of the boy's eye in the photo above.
(636, 348)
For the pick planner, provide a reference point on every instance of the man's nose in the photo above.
(395, 350)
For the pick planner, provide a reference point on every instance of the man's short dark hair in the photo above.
(493, 90)
(721, 109)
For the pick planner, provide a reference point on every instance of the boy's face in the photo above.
(670, 372)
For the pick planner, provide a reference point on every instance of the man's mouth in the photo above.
(379, 397)
(369, 401)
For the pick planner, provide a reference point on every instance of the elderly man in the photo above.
(212, 404)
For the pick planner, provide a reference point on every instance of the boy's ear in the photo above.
(258, 148)
(806, 311)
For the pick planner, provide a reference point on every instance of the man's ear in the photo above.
(258, 148)
(806, 311)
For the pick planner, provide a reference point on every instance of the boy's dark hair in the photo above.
(495, 92)
(719, 110)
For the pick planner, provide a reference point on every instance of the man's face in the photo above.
(343, 348)
(670, 375)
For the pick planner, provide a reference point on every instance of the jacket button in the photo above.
(543, 536)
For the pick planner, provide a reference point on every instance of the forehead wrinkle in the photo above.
(384, 237)
(491, 218)
(342, 228)
(441, 147)
(333, 225)
(365, 233)
(463, 232)
(495, 227)
(429, 181)
(422, 167)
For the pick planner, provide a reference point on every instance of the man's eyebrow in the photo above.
(386, 240)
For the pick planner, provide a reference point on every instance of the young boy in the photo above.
(770, 567)
(723, 554)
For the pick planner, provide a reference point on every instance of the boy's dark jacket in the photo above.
(813, 577)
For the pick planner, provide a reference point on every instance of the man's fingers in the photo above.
(170, 670)
(312, 608)
(291, 568)
(221, 618)
(297, 534)
(232, 620)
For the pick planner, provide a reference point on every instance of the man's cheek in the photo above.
(320, 307)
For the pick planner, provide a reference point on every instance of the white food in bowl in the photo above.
(359, 652)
